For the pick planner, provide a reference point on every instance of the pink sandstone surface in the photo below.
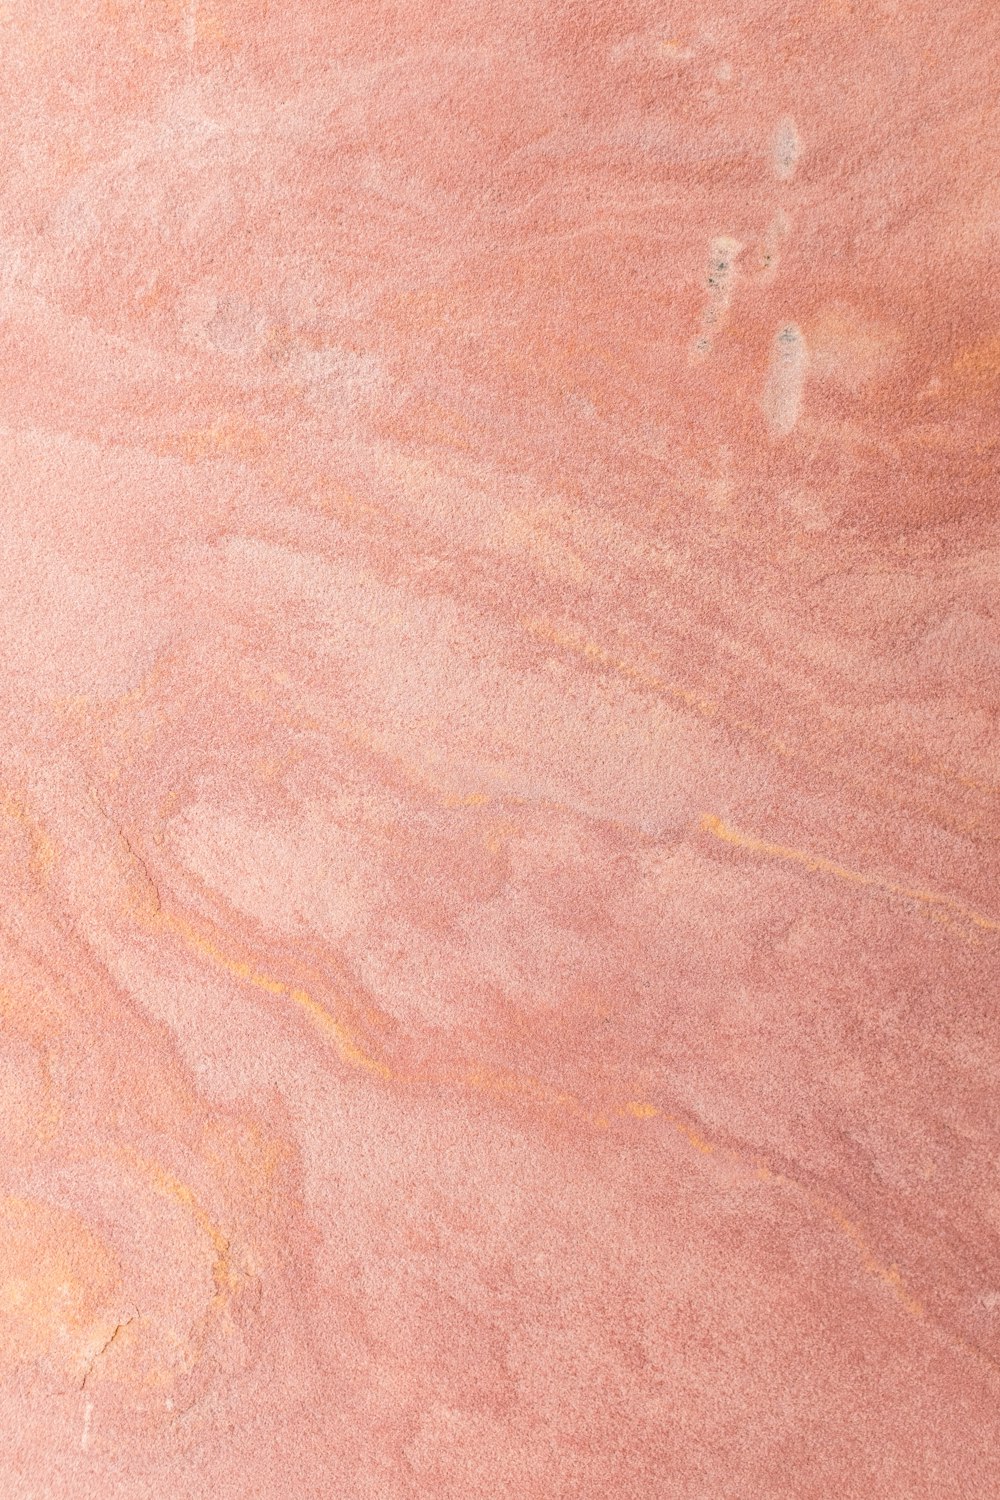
(499, 940)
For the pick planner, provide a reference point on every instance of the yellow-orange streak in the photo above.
(823, 866)
(888, 1275)
(168, 1186)
(485, 1080)
(507, 1085)
(327, 1024)
(592, 651)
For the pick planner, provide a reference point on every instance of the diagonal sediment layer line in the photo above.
(819, 864)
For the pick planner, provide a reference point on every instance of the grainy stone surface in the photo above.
(499, 935)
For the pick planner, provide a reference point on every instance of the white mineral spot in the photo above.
(787, 149)
(786, 379)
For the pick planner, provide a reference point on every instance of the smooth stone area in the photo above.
(499, 599)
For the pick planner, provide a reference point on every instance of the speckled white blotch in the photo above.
(787, 149)
(786, 379)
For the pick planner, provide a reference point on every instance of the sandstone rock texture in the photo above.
(499, 596)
